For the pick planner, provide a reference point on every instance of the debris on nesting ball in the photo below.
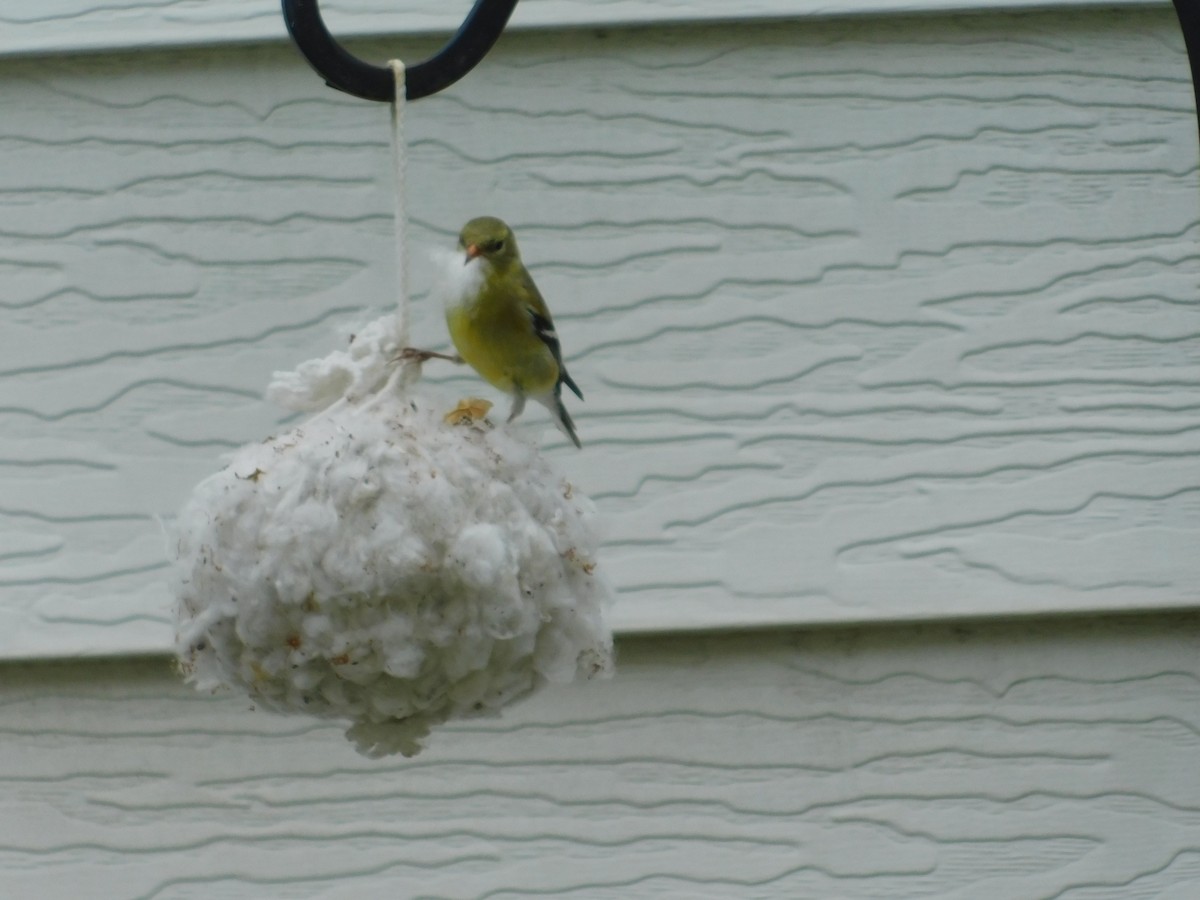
(381, 566)
(469, 411)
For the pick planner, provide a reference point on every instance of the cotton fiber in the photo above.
(387, 564)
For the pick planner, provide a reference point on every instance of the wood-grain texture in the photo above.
(69, 26)
(1007, 762)
(875, 320)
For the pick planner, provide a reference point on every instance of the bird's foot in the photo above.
(518, 406)
(413, 354)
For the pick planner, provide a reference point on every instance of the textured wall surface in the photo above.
(1052, 760)
(875, 319)
(73, 25)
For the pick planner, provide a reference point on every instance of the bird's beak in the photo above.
(472, 252)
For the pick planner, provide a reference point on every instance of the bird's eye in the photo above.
(497, 246)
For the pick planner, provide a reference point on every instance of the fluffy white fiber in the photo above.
(352, 373)
(380, 565)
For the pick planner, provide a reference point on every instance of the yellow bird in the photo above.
(501, 326)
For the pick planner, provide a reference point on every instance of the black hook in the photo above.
(1189, 22)
(474, 39)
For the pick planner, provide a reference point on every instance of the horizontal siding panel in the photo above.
(1014, 761)
(67, 26)
(875, 322)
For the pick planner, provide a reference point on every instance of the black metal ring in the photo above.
(479, 32)
(1189, 21)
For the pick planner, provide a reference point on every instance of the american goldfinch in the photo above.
(500, 324)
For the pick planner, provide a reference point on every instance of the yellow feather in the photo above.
(500, 325)
(494, 334)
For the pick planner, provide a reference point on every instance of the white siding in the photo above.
(1000, 762)
(55, 26)
(875, 320)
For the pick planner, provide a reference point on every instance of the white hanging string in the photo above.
(399, 157)
(407, 373)
(359, 374)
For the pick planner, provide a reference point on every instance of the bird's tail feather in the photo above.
(564, 378)
(563, 419)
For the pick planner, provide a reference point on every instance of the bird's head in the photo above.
(488, 238)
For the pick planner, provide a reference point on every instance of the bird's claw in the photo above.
(413, 354)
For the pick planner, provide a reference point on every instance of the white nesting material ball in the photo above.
(382, 566)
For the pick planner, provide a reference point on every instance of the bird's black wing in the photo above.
(543, 327)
